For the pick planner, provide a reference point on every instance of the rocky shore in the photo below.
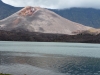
(44, 37)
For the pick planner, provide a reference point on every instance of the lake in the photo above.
(49, 58)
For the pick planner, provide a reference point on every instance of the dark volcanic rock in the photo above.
(43, 37)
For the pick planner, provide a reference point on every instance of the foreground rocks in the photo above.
(4, 74)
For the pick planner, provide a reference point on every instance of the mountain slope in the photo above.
(85, 16)
(36, 19)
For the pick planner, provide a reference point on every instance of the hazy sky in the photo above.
(55, 4)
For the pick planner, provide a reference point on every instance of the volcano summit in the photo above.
(37, 19)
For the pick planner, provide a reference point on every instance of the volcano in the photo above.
(37, 19)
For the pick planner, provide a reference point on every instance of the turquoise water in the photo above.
(48, 58)
(78, 49)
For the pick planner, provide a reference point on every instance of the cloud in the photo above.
(55, 4)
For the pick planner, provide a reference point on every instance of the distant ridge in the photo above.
(7, 10)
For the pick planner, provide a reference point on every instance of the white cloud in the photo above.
(55, 4)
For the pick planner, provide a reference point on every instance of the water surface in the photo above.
(48, 58)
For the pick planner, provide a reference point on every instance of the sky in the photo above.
(55, 4)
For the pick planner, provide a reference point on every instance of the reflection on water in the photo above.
(49, 63)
